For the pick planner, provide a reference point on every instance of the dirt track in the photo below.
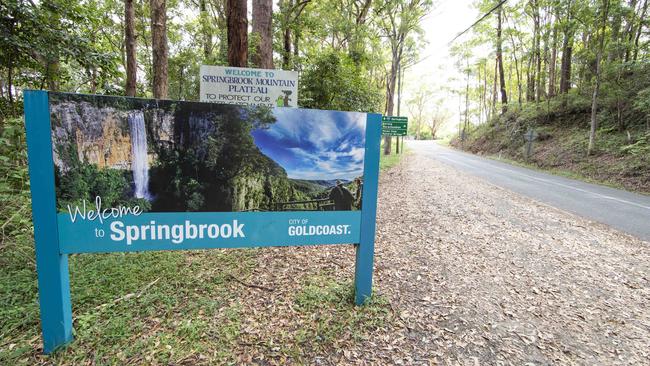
(477, 275)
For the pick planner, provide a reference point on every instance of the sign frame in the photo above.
(52, 260)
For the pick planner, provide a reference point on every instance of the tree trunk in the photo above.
(544, 59)
(286, 55)
(390, 94)
(638, 32)
(399, 102)
(52, 69)
(10, 84)
(286, 7)
(237, 23)
(466, 126)
(159, 48)
(567, 51)
(356, 44)
(206, 29)
(502, 78)
(129, 35)
(494, 90)
(296, 40)
(93, 80)
(594, 99)
(262, 26)
(486, 110)
(615, 37)
(480, 99)
(553, 62)
(565, 68)
(517, 69)
(536, 49)
(296, 43)
(629, 31)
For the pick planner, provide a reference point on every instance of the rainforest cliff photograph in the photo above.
(171, 156)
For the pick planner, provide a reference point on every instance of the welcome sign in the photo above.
(117, 174)
(247, 86)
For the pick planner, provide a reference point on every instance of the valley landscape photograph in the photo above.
(172, 156)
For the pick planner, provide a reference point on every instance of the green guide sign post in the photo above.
(394, 126)
(119, 174)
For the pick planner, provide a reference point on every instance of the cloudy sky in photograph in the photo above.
(314, 144)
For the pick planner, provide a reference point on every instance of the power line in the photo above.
(478, 21)
(461, 33)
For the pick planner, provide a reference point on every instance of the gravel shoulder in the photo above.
(473, 274)
(485, 275)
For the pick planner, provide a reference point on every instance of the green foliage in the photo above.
(388, 161)
(222, 170)
(9, 109)
(56, 42)
(622, 159)
(184, 75)
(13, 157)
(83, 182)
(642, 103)
(334, 82)
(16, 253)
(640, 147)
(546, 39)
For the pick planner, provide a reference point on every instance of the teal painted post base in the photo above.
(51, 265)
(366, 247)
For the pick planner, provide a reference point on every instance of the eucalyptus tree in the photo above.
(399, 23)
(159, 48)
(58, 45)
(586, 58)
(130, 41)
(263, 33)
(237, 23)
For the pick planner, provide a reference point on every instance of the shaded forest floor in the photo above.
(460, 278)
(620, 160)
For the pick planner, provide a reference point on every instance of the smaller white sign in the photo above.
(244, 86)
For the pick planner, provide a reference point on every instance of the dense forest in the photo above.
(348, 52)
(577, 72)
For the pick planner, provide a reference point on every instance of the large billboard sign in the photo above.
(245, 86)
(118, 174)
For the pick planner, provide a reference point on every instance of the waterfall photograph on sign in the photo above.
(172, 156)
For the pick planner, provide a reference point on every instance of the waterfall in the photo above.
(140, 164)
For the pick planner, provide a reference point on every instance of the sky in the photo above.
(315, 144)
(436, 67)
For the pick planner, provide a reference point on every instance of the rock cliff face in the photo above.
(261, 188)
(100, 135)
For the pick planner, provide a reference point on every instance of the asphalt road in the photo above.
(625, 211)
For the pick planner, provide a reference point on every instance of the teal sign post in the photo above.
(183, 175)
(394, 126)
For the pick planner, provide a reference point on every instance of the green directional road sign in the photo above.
(394, 126)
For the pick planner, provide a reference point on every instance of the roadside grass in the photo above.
(445, 141)
(389, 161)
(330, 319)
(131, 308)
(168, 307)
(563, 173)
(619, 161)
